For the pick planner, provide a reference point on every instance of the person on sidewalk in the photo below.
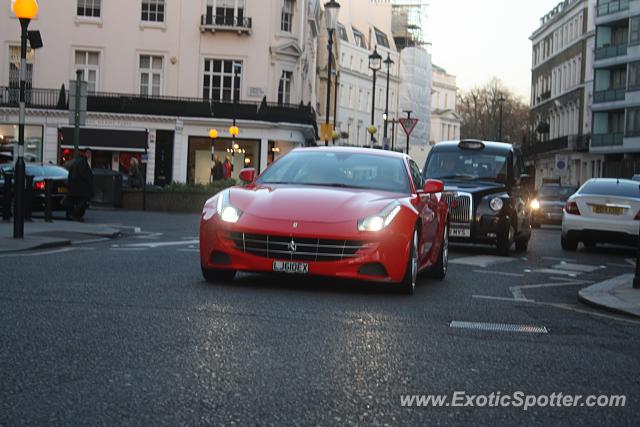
(80, 187)
(135, 175)
(227, 168)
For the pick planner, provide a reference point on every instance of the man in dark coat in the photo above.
(80, 187)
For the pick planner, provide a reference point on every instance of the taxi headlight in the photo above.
(496, 204)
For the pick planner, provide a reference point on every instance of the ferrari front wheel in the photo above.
(408, 284)
(214, 275)
(439, 270)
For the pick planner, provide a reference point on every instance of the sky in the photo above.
(476, 40)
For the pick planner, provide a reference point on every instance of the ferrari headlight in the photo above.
(226, 211)
(535, 204)
(496, 204)
(380, 221)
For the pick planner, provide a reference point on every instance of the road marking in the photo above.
(580, 268)
(52, 252)
(161, 244)
(552, 258)
(560, 306)
(631, 261)
(552, 271)
(613, 264)
(481, 260)
(129, 249)
(88, 242)
(187, 250)
(499, 273)
(149, 236)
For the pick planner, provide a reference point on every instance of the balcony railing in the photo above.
(613, 6)
(611, 51)
(607, 139)
(225, 23)
(609, 95)
(541, 147)
(54, 99)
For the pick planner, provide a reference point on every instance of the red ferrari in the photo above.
(342, 212)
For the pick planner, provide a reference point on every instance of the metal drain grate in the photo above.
(499, 327)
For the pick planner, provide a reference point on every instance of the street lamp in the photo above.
(388, 62)
(25, 11)
(501, 100)
(331, 10)
(375, 63)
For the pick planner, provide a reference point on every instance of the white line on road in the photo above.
(552, 258)
(577, 268)
(553, 271)
(56, 251)
(129, 249)
(613, 264)
(187, 250)
(500, 273)
(162, 244)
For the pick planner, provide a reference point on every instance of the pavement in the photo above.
(39, 234)
(616, 295)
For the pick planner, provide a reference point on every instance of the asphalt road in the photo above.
(127, 332)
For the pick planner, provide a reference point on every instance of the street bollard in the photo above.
(48, 190)
(28, 196)
(7, 196)
(636, 279)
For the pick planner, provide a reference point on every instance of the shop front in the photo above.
(204, 152)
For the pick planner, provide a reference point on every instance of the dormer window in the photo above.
(342, 33)
(359, 39)
(381, 38)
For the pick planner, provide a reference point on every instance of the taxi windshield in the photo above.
(467, 166)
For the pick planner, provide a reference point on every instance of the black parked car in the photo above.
(547, 207)
(57, 174)
(488, 193)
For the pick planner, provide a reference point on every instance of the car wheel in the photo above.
(504, 242)
(568, 244)
(213, 275)
(408, 284)
(439, 271)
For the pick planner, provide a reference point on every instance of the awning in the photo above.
(106, 139)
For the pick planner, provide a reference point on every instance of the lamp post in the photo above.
(375, 63)
(501, 100)
(388, 62)
(331, 10)
(25, 10)
(335, 103)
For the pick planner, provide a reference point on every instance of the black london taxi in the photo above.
(487, 191)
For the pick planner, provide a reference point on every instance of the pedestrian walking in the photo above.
(80, 187)
(217, 170)
(227, 168)
(135, 175)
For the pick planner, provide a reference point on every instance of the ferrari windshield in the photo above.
(339, 169)
(467, 165)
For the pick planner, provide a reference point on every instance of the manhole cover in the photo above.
(498, 327)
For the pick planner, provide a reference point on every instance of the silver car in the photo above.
(604, 210)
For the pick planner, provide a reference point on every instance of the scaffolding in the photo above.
(408, 21)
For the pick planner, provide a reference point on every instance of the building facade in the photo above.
(616, 98)
(171, 70)
(561, 95)
(445, 121)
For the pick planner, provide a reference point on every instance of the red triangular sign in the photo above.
(408, 125)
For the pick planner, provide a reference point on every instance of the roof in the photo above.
(355, 150)
(494, 146)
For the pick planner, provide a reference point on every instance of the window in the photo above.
(150, 75)
(633, 122)
(286, 20)
(14, 67)
(634, 30)
(89, 63)
(381, 38)
(284, 88)
(89, 8)
(342, 33)
(226, 12)
(634, 76)
(222, 79)
(153, 10)
(359, 39)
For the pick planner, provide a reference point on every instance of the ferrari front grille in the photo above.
(460, 207)
(296, 248)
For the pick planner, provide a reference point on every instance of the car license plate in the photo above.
(290, 267)
(63, 190)
(607, 210)
(460, 232)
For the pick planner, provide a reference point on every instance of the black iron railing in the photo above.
(225, 21)
(540, 147)
(54, 99)
(612, 6)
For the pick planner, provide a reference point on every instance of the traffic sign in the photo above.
(408, 125)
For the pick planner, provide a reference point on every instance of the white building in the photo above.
(562, 94)
(445, 121)
(165, 72)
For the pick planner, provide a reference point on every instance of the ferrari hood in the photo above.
(307, 203)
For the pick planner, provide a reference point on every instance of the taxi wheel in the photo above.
(213, 275)
(505, 241)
